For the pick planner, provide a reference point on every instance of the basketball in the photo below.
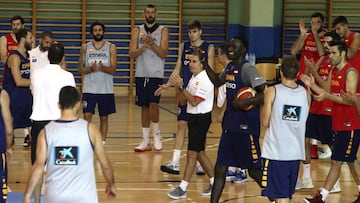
(246, 93)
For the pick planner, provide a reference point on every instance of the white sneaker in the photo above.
(199, 170)
(336, 188)
(143, 147)
(327, 154)
(157, 142)
(304, 183)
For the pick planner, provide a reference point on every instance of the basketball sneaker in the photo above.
(304, 183)
(177, 193)
(230, 175)
(316, 199)
(157, 142)
(199, 170)
(207, 192)
(326, 154)
(26, 141)
(143, 147)
(314, 152)
(240, 177)
(336, 188)
(171, 168)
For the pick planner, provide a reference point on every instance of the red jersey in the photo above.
(324, 107)
(11, 43)
(309, 51)
(355, 60)
(344, 116)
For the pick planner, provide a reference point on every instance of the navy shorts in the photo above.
(145, 88)
(105, 102)
(279, 178)
(345, 146)
(319, 127)
(182, 115)
(21, 115)
(198, 125)
(239, 150)
(4, 177)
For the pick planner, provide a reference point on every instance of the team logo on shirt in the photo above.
(66, 155)
(291, 113)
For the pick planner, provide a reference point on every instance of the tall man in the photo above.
(46, 85)
(67, 145)
(17, 80)
(182, 68)
(8, 43)
(346, 126)
(239, 145)
(149, 45)
(98, 65)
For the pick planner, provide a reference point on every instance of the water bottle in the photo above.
(247, 57)
(254, 59)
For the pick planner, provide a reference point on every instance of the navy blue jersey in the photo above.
(18, 95)
(238, 121)
(185, 59)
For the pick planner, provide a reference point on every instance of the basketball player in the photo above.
(98, 65)
(68, 145)
(149, 45)
(239, 145)
(281, 163)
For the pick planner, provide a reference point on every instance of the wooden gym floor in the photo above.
(138, 176)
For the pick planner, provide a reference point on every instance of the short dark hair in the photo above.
(335, 36)
(56, 53)
(46, 33)
(22, 33)
(94, 24)
(290, 67)
(317, 14)
(340, 19)
(340, 45)
(68, 97)
(224, 49)
(17, 17)
(149, 6)
(193, 24)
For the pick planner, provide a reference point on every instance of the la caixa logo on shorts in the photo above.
(66, 155)
(291, 113)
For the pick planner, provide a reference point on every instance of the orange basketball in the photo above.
(246, 93)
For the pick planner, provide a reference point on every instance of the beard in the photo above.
(98, 38)
(28, 46)
(150, 20)
(15, 30)
(43, 48)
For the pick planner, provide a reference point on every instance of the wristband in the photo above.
(181, 88)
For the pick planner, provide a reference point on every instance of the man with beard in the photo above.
(239, 145)
(183, 69)
(149, 45)
(312, 49)
(17, 80)
(8, 43)
(346, 123)
(97, 66)
(351, 39)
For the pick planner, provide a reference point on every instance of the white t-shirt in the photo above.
(38, 59)
(46, 84)
(201, 87)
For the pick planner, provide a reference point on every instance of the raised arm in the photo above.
(299, 43)
(135, 51)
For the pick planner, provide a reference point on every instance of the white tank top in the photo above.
(284, 139)
(149, 64)
(70, 166)
(98, 82)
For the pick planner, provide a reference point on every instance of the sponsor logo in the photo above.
(66, 155)
(291, 113)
